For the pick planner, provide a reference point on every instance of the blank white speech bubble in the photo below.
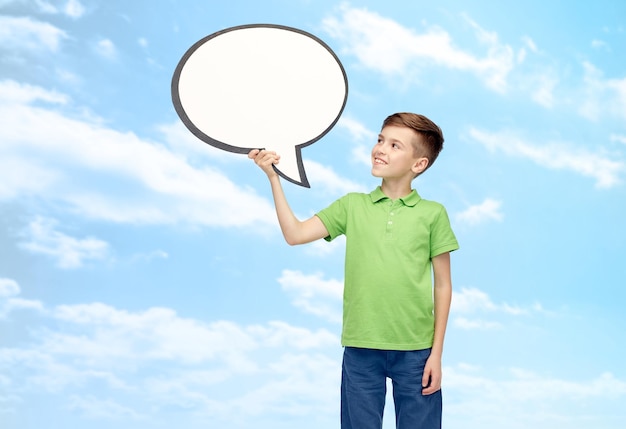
(261, 86)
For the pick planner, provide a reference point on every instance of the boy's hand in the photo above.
(266, 160)
(431, 380)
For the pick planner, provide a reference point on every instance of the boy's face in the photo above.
(394, 155)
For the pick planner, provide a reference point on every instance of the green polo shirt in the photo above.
(388, 290)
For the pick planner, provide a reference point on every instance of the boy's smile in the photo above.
(394, 154)
(379, 161)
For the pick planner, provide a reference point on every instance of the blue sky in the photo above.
(144, 282)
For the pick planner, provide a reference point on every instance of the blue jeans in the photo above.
(364, 387)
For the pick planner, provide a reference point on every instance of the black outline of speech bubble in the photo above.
(236, 149)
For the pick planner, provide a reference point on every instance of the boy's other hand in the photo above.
(431, 380)
(266, 160)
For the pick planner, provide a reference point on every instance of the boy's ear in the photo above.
(420, 165)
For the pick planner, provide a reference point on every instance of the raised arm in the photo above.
(294, 230)
(443, 298)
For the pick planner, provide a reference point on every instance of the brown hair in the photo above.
(432, 137)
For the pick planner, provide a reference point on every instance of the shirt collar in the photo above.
(410, 200)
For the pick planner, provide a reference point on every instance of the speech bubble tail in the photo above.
(291, 168)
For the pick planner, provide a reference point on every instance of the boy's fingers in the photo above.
(425, 379)
(264, 158)
(270, 157)
(429, 391)
(430, 385)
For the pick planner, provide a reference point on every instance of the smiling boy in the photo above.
(394, 317)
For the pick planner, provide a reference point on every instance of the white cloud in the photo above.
(140, 362)
(472, 300)
(469, 300)
(543, 91)
(600, 44)
(329, 180)
(539, 77)
(618, 138)
(183, 387)
(22, 304)
(42, 6)
(530, 44)
(74, 9)
(106, 49)
(83, 164)
(473, 309)
(160, 334)
(152, 334)
(184, 144)
(489, 209)
(602, 96)
(10, 301)
(150, 256)
(27, 34)
(313, 294)
(103, 409)
(14, 93)
(41, 237)
(87, 345)
(383, 45)
(356, 129)
(362, 154)
(8, 288)
(606, 170)
(491, 396)
(277, 334)
(303, 386)
(363, 137)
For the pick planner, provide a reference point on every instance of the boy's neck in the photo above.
(396, 189)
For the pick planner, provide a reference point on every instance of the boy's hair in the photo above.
(432, 136)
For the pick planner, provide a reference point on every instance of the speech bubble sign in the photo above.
(261, 86)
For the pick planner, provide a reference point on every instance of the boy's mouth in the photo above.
(379, 161)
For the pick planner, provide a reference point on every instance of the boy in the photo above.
(391, 326)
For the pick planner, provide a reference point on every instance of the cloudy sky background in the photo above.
(143, 279)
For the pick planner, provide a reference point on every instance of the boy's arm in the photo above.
(443, 297)
(294, 230)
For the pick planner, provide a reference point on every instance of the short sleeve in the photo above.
(334, 217)
(442, 238)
